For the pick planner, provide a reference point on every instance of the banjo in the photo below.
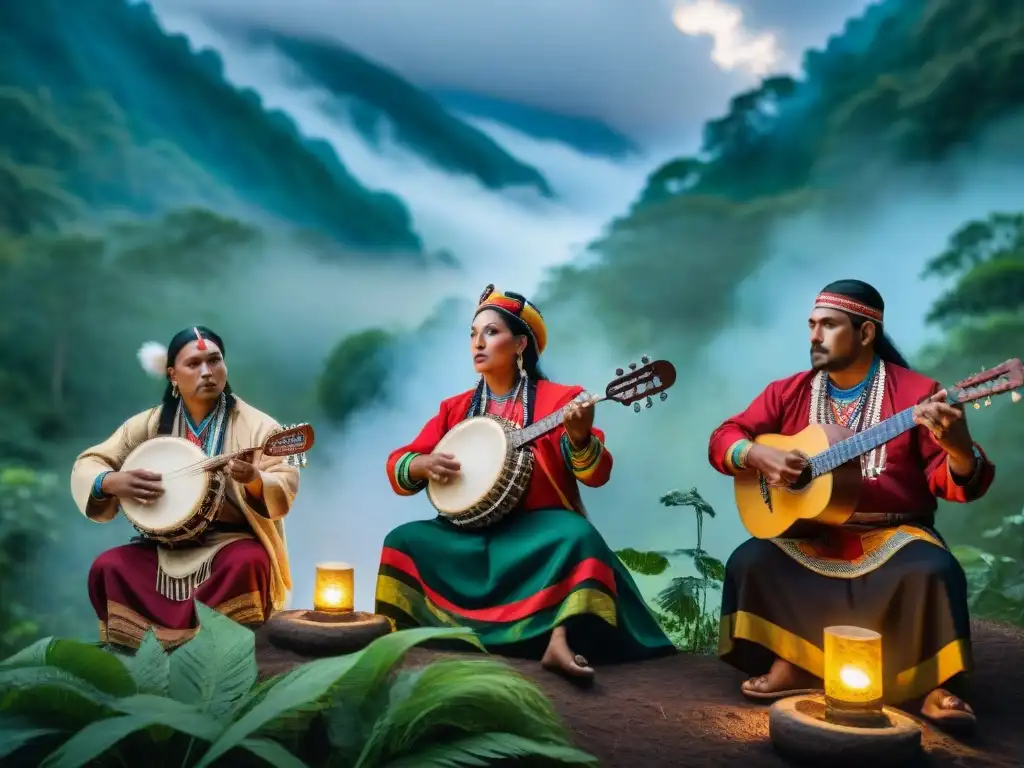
(496, 459)
(193, 485)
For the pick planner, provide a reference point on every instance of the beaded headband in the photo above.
(846, 304)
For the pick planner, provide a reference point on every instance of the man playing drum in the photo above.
(239, 564)
(541, 581)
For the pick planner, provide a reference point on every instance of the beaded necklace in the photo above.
(847, 404)
(209, 434)
(508, 400)
(867, 410)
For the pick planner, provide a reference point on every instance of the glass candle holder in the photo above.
(334, 589)
(853, 674)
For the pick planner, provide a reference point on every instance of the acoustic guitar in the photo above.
(828, 490)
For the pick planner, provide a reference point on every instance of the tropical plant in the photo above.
(995, 582)
(682, 606)
(26, 524)
(65, 703)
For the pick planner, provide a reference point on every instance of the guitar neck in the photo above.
(862, 442)
(521, 437)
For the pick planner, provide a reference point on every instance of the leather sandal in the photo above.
(749, 690)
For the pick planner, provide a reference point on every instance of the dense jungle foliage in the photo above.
(909, 84)
(97, 101)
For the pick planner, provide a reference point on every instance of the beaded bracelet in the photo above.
(97, 487)
(738, 454)
(402, 473)
(582, 459)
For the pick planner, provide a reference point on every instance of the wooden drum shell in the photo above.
(199, 501)
(504, 495)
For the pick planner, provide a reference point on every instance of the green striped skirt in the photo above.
(513, 582)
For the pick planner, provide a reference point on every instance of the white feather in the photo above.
(153, 359)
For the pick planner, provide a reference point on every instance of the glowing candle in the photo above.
(853, 672)
(334, 590)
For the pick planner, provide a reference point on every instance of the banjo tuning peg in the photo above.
(636, 407)
(649, 402)
(619, 371)
(632, 366)
(645, 360)
(663, 396)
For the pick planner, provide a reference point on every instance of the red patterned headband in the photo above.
(846, 304)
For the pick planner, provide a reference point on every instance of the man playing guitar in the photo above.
(887, 569)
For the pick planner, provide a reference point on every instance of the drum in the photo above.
(191, 498)
(494, 475)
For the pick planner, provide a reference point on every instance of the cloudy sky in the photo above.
(650, 68)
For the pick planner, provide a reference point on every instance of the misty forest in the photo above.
(337, 243)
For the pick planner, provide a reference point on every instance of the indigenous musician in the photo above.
(239, 566)
(888, 569)
(542, 578)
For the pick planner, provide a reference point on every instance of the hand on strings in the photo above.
(780, 468)
(140, 485)
(578, 420)
(439, 467)
(946, 423)
(241, 468)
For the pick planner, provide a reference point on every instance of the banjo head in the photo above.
(182, 492)
(480, 446)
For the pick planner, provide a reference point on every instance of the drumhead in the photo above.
(182, 492)
(480, 446)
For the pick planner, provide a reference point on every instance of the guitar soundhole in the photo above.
(803, 481)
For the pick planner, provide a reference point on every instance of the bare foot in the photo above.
(783, 679)
(559, 657)
(949, 712)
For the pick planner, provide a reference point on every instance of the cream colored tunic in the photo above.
(181, 570)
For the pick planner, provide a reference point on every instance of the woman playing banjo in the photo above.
(239, 563)
(541, 581)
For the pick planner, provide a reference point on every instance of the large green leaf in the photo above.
(306, 688)
(690, 498)
(679, 598)
(52, 696)
(272, 753)
(141, 712)
(468, 695)
(354, 695)
(96, 666)
(303, 687)
(177, 715)
(94, 740)
(489, 748)
(644, 563)
(150, 667)
(708, 567)
(376, 662)
(217, 667)
(18, 732)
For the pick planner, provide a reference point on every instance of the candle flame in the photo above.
(331, 595)
(854, 678)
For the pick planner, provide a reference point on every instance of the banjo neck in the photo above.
(520, 437)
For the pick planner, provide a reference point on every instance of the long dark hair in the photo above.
(531, 364)
(169, 404)
(884, 347)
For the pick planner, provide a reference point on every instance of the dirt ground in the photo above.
(687, 710)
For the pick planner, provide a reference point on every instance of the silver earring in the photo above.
(174, 390)
(519, 362)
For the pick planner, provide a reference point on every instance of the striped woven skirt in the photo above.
(513, 582)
